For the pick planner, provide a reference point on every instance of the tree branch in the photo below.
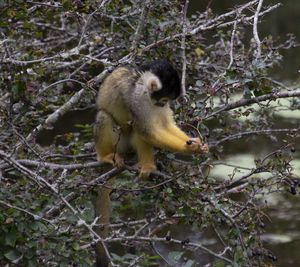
(246, 102)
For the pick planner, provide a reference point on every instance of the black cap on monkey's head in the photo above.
(168, 77)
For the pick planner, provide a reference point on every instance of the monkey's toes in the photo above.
(118, 162)
(114, 159)
(193, 145)
(146, 170)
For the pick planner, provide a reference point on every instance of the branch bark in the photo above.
(247, 102)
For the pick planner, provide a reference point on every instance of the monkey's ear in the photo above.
(153, 85)
(152, 82)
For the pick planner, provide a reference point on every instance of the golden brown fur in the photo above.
(129, 118)
(127, 114)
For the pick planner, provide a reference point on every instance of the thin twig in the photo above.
(183, 47)
(255, 33)
(263, 131)
(89, 20)
(232, 42)
(141, 24)
(35, 216)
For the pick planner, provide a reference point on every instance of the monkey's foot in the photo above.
(114, 159)
(194, 145)
(146, 169)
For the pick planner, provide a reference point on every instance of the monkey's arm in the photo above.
(163, 138)
(172, 128)
(164, 133)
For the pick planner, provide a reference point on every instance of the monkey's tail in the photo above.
(103, 211)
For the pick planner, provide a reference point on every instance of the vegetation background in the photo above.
(54, 55)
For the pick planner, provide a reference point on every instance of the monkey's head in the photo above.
(167, 86)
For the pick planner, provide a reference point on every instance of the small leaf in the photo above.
(116, 257)
(189, 263)
(12, 255)
(175, 256)
(218, 264)
(18, 88)
(199, 52)
(11, 238)
(199, 83)
(247, 94)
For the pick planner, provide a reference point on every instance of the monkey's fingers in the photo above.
(195, 145)
(146, 170)
(192, 146)
(204, 148)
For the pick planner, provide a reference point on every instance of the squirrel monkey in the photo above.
(134, 112)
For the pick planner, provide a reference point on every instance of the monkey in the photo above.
(134, 113)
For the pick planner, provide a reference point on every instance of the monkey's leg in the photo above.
(145, 156)
(106, 140)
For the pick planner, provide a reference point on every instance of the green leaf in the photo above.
(189, 263)
(116, 257)
(170, 156)
(32, 263)
(76, 246)
(18, 88)
(12, 255)
(67, 4)
(247, 94)
(169, 190)
(238, 255)
(218, 264)
(175, 256)
(30, 253)
(11, 238)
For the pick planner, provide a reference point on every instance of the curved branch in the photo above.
(246, 102)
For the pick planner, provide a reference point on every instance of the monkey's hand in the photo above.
(114, 159)
(194, 145)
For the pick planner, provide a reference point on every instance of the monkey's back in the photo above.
(112, 94)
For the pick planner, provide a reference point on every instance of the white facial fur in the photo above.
(151, 81)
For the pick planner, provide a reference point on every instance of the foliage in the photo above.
(53, 56)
